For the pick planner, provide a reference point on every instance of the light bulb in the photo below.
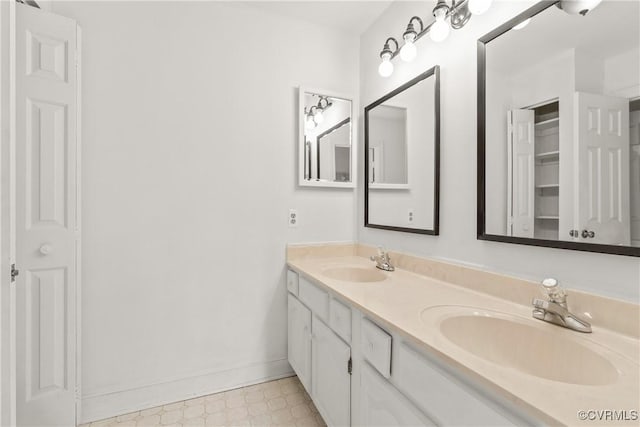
(478, 7)
(318, 117)
(385, 69)
(409, 51)
(439, 30)
(309, 123)
(522, 24)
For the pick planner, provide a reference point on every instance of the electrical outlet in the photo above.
(410, 216)
(293, 218)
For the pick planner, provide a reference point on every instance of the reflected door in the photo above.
(521, 194)
(602, 187)
(47, 233)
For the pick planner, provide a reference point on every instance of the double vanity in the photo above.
(433, 343)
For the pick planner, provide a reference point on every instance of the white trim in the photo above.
(108, 402)
(7, 214)
(301, 140)
(383, 186)
(78, 260)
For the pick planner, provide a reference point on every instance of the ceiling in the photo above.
(351, 16)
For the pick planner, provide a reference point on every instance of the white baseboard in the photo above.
(100, 405)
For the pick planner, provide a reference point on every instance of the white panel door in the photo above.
(634, 134)
(521, 186)
(382, 405)
(330, 381)
(299, 340)
(47, 224)
(602, 186)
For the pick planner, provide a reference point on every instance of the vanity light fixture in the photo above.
(447, 13)
(409, 51)
(440, 28)
(385, 69)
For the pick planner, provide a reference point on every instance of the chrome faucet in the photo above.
(554, 309)
(383, 260)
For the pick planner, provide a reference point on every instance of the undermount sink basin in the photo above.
(355, 274)
(517, 343)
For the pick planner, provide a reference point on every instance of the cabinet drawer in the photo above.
(376, 347)
(315, 298)
(382, 405)
(340, 319)
(292, 282)
(443, 398)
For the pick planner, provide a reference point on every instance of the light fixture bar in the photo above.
(454, 9)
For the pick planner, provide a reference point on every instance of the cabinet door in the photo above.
(382, 405)
(299, 346)
(331, 381)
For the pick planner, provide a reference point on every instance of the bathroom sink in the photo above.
(355, 274)
(520, 344)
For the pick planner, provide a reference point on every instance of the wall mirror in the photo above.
(559, 129)
(402, 146)
(326, 142)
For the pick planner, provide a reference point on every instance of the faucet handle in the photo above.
(553, 290)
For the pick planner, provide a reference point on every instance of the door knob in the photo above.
(588, 234)
(46, 249)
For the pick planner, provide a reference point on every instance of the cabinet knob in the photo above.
(574, 233)
(46, 249)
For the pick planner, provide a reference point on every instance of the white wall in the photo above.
(610, 275)
(622, 74)
(189, 169)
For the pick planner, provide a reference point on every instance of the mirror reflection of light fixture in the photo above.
(309, 123)
(323, 104)
(478, 7)
(578, 7)
(314, 115)
(522, 24)
(447, 13)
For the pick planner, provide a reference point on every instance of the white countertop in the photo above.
(403, 296)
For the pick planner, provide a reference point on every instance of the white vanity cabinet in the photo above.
(382, 405)
(299, 343)
(360, 372)
(330, 377)
(320, 355)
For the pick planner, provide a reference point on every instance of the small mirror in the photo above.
(326, 140)
(402, 143)
(558, 129)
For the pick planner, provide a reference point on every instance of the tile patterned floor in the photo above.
(276, 403)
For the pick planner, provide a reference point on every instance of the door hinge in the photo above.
(14, 273)
(350, 366)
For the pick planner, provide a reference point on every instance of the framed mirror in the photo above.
(402, 157)
(559, 129)
(326, 150)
